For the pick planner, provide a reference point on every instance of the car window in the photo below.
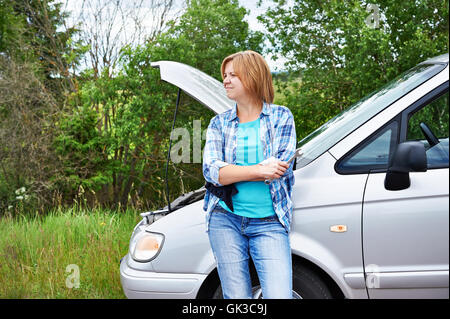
(435, 116)
(373, 154)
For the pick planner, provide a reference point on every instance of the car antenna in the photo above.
(168, 153)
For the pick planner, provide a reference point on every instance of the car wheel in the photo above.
(256, 293)
(306, 284)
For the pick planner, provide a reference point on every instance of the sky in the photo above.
(255, 25)
(75, 7)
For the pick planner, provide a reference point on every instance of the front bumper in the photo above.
(139, 284)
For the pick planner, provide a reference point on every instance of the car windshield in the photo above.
(327, 135)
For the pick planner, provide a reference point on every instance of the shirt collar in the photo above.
(265, 111)
(233, 114)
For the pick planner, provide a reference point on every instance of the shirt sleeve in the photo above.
(286, 137)
(212, 153)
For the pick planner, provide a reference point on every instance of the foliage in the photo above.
(37, 251)
(27, 126)
(120, 130)
(36, 52)
(35, 31)
(341, 55)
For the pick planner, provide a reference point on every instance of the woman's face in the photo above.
(233, 85)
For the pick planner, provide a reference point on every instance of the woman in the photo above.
(248, 147)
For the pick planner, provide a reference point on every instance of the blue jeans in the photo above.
(234, 238)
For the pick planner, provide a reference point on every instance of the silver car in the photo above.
(371, 201)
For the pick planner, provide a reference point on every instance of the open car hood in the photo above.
(195, 83)
(204, 89)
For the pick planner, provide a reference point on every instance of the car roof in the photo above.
(443, 58)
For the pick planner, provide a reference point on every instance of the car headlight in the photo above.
(145, 246)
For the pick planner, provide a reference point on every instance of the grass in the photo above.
(35, 252)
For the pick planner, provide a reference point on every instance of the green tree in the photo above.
(36, 53)
(213, 29)
(340, 52)
(135, 108)
(10, 25)
(35, 31)
(28, 114)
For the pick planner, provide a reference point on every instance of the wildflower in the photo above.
(20, 190)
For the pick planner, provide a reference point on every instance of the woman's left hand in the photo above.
(272, 168)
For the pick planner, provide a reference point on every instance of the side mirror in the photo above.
(408, 157)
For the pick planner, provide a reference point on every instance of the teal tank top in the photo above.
(253, 198)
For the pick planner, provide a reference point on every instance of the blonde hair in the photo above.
(254, 73)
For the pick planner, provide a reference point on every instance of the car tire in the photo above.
(218, 293)
(309, 285)
(306, 284)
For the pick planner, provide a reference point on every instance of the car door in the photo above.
(406, 232)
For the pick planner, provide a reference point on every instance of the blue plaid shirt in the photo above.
(278, 138)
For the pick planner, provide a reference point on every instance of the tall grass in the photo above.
(35, 251)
